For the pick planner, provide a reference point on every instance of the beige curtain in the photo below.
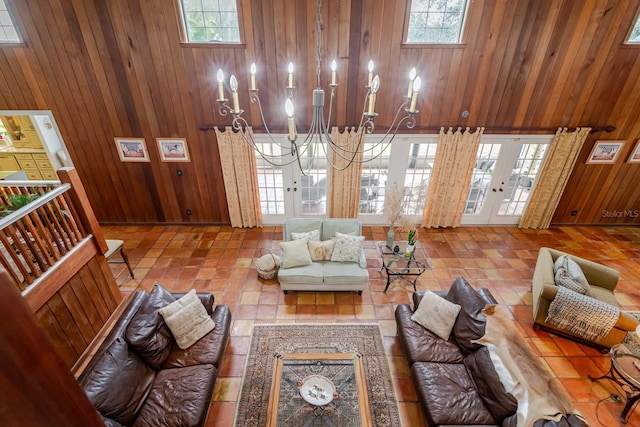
(552, 177)
(240, 178)
(451, 177)
(343, 196)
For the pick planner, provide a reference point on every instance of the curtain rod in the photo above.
(417, 129)
(594, 129)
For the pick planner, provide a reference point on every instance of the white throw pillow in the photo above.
(187, 319)
(436, 314)
(347, 248)
(295, 253)
(321, 251)
(308, 235)
(569, 274)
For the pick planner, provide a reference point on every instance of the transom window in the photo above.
(8, 30)
(634, 37)
(211, 21)
(436, 21)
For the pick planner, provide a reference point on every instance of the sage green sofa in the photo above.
(324, 275)
(603, 280)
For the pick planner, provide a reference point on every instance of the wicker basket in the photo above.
(267, 265)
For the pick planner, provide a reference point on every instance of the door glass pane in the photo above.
(312, 185)
(416, 180)
(375, 171)
(525, 170)
(270, 180)
(481, 177)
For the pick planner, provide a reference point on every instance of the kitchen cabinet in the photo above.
(21, 131)
(36, 166)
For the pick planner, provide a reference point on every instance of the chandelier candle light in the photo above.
(319, 131)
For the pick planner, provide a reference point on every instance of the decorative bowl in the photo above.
(317, 390)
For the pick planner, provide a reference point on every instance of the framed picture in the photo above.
(605, 152)
(132, 149)
(173, 149)
(635, 154)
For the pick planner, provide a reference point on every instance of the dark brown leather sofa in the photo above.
(455, 380)
(140, 377)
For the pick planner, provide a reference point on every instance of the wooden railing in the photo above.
(57, 296)
(36, 236)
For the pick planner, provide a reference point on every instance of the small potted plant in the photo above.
(411, 242)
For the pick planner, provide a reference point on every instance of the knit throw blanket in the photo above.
(582, 315)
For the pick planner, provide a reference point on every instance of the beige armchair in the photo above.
(603, 281)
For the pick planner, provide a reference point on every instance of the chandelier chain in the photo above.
(318, 40)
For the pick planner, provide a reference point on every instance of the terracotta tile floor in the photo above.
(221, 260)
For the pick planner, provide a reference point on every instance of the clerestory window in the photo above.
(210, 21)
(436, 21)
(8, 29)
(634, 37)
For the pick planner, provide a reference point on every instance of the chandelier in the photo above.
(293, 146)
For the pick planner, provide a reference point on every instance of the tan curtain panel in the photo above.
(451, 177)
(552, 177)
(343, 196)
(240, 179)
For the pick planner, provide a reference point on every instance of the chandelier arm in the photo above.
(393, 127)
(327, 127)
(387, 143)
(255, 99)
(224, 109)
(363, 127)
(364, 111)
(239, 123)
(297, 155)
(350, 160)
(266, 157)
(312, 128)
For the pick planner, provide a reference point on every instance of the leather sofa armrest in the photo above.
(487, 296)
(484, 293)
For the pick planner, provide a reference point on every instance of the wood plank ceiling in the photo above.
(119, 69)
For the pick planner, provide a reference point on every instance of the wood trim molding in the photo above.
(55, 278)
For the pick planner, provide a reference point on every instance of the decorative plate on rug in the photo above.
(317, 390)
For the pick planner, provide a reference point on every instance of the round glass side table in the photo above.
(625, 371)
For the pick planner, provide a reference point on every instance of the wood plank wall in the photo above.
(118, 69)
(37, 390)
(72, 317)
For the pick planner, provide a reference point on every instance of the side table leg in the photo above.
(388, 282)
(631, 401)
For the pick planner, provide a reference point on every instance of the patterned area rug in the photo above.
(268, 340)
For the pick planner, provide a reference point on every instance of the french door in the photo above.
(502, 179)
(504, 174)
(285, 192)
(405, 163)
